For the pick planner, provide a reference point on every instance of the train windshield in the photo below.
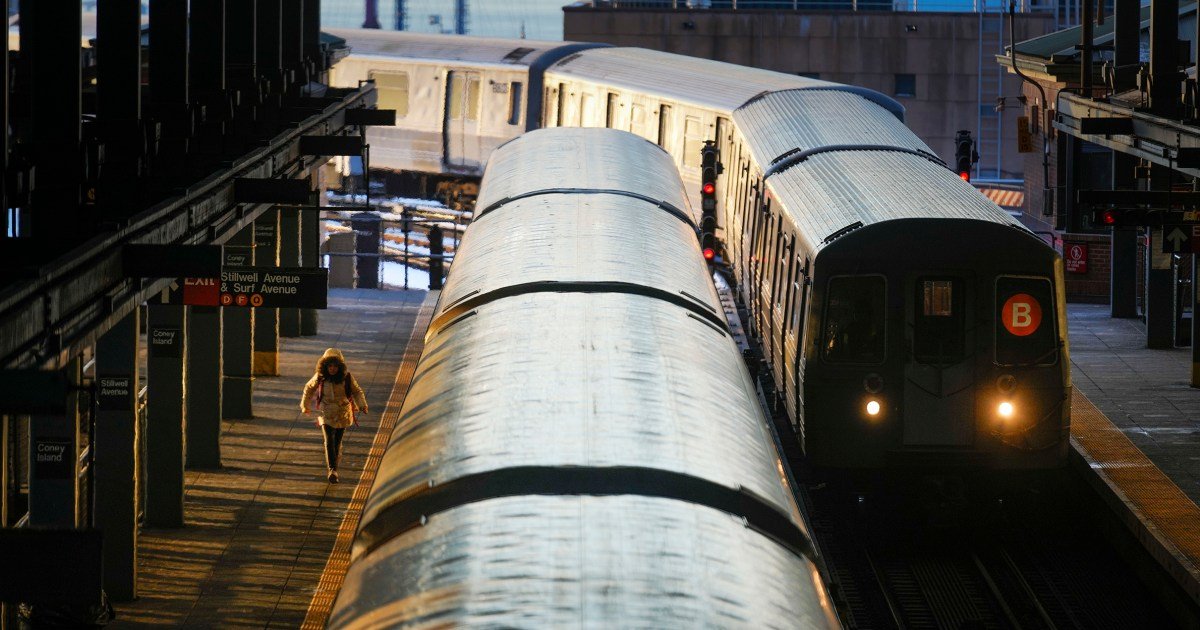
(939, 330)
(1025, 322)
(854, 320)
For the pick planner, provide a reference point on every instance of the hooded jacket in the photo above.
(336, 409)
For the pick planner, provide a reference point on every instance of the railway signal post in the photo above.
(710, 168)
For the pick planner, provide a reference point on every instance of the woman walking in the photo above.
(336, 396)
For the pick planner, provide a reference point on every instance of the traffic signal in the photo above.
(1130, 217)
(965, 156)
(709, 169)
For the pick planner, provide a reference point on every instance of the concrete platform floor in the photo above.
(1145, 393)
(260, 530)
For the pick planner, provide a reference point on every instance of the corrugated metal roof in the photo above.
(1060, 45)
(443, 47)
(590, 238)
(799, 120)
(582, 562)
(711, 84)
(581, 158)
(571, 380)
(830, 191)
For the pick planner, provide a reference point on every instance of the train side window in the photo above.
(392, 88)
(562, 105)
(939, 330)
(455, 97)
(473, 99)
(610, 116)
(855, 320)
(514, 102)
(1025, 321)
(664, 125)
(693, 139)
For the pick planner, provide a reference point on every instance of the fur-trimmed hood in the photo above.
(332, 354)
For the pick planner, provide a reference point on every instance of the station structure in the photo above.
(161, 281)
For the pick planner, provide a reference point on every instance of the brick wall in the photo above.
(1093, 286)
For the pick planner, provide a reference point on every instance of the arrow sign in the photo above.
(1175, 240)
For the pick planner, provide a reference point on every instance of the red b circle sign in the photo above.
(1022, 315)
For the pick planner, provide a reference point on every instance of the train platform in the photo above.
(1135, 436)
(266, 535)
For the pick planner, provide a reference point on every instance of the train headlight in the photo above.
(873, 408)
(1005, 409)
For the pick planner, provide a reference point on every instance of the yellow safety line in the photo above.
(339, 558)
(1171, 520)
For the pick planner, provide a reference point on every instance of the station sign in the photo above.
(114, 393)
(1180, 239)
(53, 458)
(165, 342)
(274, 287)
(1075, 255)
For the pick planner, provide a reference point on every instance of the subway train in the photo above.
(581, 444)
(905, 319)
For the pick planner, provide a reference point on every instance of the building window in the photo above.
(906, 85)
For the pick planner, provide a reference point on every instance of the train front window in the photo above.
(855, 318)
(939, 329)
(1025, 322)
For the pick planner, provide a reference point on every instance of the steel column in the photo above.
(55, 80)
(241, 41)
(204, 382)
(310, 256)
(312, 31)
(1123, 259)
(1160, 279)
(292, 38)
(1164, 61)
(289, 256)
(208, 46)
(119, 100)
(268, 54)
(169, 87)
(266, 320)
(54, 461)
(115, 455)
(166, 371)
(1127, 21)
(238, 350)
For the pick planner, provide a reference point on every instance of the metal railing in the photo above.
(404, 236)
(977, 6)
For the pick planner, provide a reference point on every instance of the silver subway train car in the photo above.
(824, 188)
(581, 445)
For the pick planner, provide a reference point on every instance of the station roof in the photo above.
(1054, 56)
(443, 47)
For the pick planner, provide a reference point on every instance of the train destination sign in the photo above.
(274, 287)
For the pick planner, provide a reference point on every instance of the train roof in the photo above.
(580, 158)
(829, 192)
(444, 47)
(582, 562)
(525, 389)
(702, 82)
(783, 124)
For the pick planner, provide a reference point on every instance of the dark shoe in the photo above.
(333, 476)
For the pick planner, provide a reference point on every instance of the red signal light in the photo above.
(708, 188)
(965, 175)
(1109, 217)
(709, 254)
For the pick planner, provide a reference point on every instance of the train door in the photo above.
(724, 155)
(461, 129)
(939, 365)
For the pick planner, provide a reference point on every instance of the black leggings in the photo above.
(333, 445)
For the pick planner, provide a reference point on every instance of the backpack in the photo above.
(321, 389)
